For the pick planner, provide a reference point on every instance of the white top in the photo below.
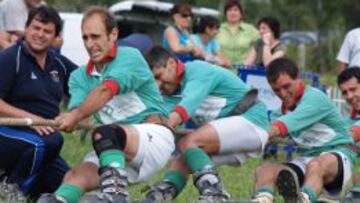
(350, 49)
(15, 13)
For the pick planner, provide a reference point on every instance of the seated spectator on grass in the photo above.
(205, 29)
(269, 47)
(33, 81)
(177, 36)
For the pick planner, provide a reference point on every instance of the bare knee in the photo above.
(187, 142)
(314, 167)
(356, 178)
(268, 171)
(84, 176)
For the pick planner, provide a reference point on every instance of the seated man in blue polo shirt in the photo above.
(33, 81)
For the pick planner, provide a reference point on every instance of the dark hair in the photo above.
(158, 57)
(45, 14)
(281, 66)
(273, 24)
(231, 3)
(201, 23)
(347, 74)
(182, 8)
(107, 17)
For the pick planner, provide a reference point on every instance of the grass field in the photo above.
(238, 181)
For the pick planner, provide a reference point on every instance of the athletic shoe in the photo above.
(11, 193)
(352, 196)
(113, 187)
(161, 192)
(50, 198)
(210, 188)
(288, 185)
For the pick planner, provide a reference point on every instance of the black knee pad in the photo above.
(112, 137)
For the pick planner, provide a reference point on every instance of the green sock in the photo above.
(311, 192)
(71, 193)
(113, 158)
(264, 189)
(356, 186)
(197, 159)
(177, 178)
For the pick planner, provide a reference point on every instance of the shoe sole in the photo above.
(288, 185)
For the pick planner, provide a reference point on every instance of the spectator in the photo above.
(32, 83)
(235, 36)
(349, 54)
(205, 29)
(15, 13)
(137, 40)
(269, 47)
(177, 37)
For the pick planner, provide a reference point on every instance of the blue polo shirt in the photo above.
(25, 85)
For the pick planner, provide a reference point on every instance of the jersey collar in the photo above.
(355, 115)
(180, 70)
(299, 94)
(110, 56)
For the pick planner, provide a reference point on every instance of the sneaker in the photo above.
(113, 187)
(263, 197)
(50, 198)
(161, 192)
(351, 196)
(11, 193)
(288, 185)
(210, 188)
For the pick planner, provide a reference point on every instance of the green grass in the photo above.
(238, 181)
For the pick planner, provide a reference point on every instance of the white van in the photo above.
(148, 17)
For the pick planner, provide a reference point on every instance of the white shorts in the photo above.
(156, 143)
(302, 162)
(239, 137)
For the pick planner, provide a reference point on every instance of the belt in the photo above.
(158, 119)
(249, 100)
(352, 147)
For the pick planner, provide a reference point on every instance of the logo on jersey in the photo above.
(55, 76)
(33, 76)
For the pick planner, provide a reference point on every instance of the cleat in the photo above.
(288, 186)
(50, 198)
(210, 188)
(113, 187)
(11, 193)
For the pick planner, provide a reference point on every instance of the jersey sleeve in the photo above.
(193, 94)
(130, 71)
(69, 68)
(309, 111)
(77, 88)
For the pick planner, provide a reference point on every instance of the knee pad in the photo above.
(111, 137)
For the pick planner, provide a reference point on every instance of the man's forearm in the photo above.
(7, 110)
(94, 102)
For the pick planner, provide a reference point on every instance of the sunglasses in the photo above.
(186, 15)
